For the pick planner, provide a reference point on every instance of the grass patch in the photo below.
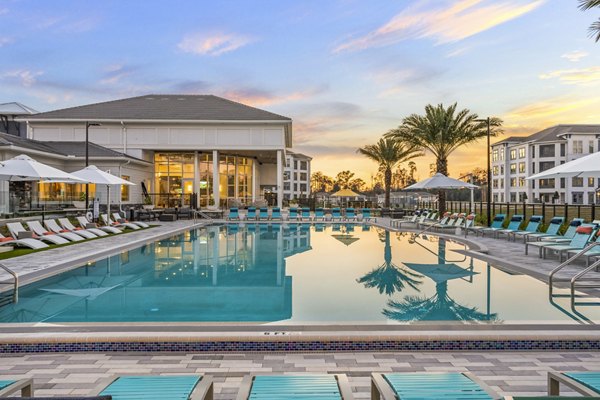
(21, 251)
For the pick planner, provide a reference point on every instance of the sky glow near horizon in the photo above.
(345, 71)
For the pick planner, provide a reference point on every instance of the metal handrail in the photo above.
(579, 275)
(568, 262)
(16, 282)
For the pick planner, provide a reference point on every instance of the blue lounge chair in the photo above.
(251, 215)
(336, 214)
(586, 383)
(293, 216)
(366, 215)
(594, 252)
(579, 240)
(269, 387)
(552, 230)
(9, 387)
(319, 214)
(305, 213)
(513, 226)
(532, 227)
(569, 233)
(234, 214)
(263, 213)
(350, 214)
(276, 213)
(429, 386)
(182, 387)
(497, 223)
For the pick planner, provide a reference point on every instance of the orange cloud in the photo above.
(213, 44)
(582, 76)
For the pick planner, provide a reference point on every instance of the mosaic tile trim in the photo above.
(310, 346)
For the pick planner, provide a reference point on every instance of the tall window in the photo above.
(513, 182)
(591, 146)
(170, 172)
(495, 155)
(591, 182)
(513, 154)
(577, 146)
(547, 150)
(522, 152)
(513, 168)
(125, 188)
(577, 181)
(522, 167)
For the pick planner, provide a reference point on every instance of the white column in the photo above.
(216, 194)
(279, 179)
(254, 189)
(196, 187)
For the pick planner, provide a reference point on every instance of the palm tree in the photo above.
(441, 131)
(388, 153)
(595, 27)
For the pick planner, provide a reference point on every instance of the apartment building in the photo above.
(516, 158)
(296, 176)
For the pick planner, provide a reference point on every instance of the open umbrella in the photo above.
(24, 168)
(345, 193)
(588, 165)
(92, 174)
(440, 181)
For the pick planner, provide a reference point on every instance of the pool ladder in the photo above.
(577, 281)
(11, 295)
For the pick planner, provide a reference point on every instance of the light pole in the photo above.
(87, 152)
(489, 173)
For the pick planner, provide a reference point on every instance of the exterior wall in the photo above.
(294, 186)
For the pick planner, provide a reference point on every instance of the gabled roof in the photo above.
(553, 134)
(163, 107)
(15, 108)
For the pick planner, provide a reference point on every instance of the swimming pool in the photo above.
(292, 274)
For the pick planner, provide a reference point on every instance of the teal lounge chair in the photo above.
(552, 230)
(263, 213)
(587, 383)
(580, 239)
(429, 386)
(9, 387)
(234, 214)
(570, 232)
(532, 227)
(270, 387)
(513, 226)
(251, 214)
(184, 387)
(319, 214)
(336, 214)
(293, 216)
(350, 214)
(594, 252)
(496, 224)
(276, 214)
(366, 215)
(305, 213)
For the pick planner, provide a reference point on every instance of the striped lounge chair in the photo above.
(269, 387)
(184, 387)
(10, 387)
(587, 383)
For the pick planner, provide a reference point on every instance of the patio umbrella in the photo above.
(588, 165)
(92, 174)
(440, 181)
(24, 168)
(345, 193)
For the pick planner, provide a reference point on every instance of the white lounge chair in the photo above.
(52, 226)
(108, 222)
(15, 227)
(65, 223)
(83, 222)
(39, 230)
(31, 243)
(117, 217)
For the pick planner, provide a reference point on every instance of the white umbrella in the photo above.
(440, 181)
(588, 166)
(92, 174)
(24, 168)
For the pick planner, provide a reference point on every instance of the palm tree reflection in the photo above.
(388, 278)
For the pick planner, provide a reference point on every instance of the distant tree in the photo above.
(595, 27)
(388, 153)
(479, 176)
(412, 170)
(442, 130)
(342, 180)
(319, 182)
(358, 185)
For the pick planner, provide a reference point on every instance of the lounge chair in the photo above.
(251, 214)
(234, 214)
(586, 382)
(582, 235)
(276, 214)
(108, 222)
(336, 213)
(443, 221)
(366, 215)
(569, 233)
(552, 230)
(293, 215)
(192, 387)
(39, 230)
(513, 226)
(321, 386)
(496, 224)
(52, 226)
(65, 223)
(16, 227)
(305, 213)
(434, 386)
(350, 214)
(319, 214)
(84, 223)
(9, 387)
(594, 252)
(398, 222)
(532, 227)
(415, 221)
(117, 217)
(27, 242)
(458, 222)
(263, 213)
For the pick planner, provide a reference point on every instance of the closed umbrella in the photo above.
(588, 165)
(92, 174)
(24, 168)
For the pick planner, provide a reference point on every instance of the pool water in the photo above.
(292, 274)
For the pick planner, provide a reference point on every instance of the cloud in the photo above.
(583, 76)
(262, 97)
(575, 56)
(213, 44)
(116, 73)
(5, 40)
(400, 80)
(543, 113)
(22, 77)
(449, 23)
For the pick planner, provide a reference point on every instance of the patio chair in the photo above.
(293, 215)
(305, 213)
(52, 226)
(84, 223)
(321, 386)
(336, 214)
(366, 215)
(66, 224)
(594, 252)
(513, 226)
(497, 223)
(586, 383)
(350, 214)
(192, 387)
(15, 229)
(458, 222)
(319, 214)
(27, 242)
(579, 241)
(9, 387)
(398, 222)
(263, 213)
(416, 221)
(108, 222)
(234, 214)
(39, 230)
(276, 214)
(251, 214)
(552, 230)
(434, 386)
(117, 217)
(569, 233)
(532, 227)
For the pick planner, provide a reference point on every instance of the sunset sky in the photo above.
(346, 71)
